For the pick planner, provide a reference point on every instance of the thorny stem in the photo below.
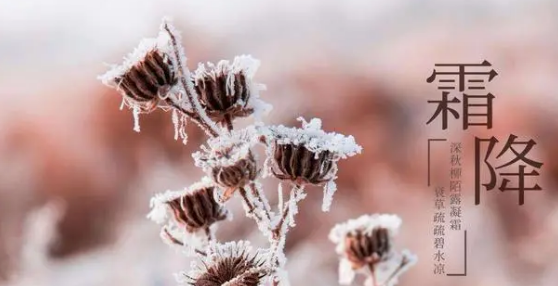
(190, 92)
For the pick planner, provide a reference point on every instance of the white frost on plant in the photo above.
(161, 44)
(226, 150)
(111, 78)
(179, 59)
(385, 271)
(246, 65)
(217, 251)
(314, 138)
(191, 242)
(160, 210)
(329, 189)
(346, 272)
(365, 224)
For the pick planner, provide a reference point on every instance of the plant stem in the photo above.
(191, 94)
(259, 196)
(397, 271)
(178, 242)
(208, 233)
(228, 122)
(249, 205)
(373, 273)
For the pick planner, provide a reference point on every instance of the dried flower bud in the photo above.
(365, 248)
(229, 161)
(237, 175)
(231, 265)
(368, 242)
(197, 209)
(308, 155)
(145, 75)
(226, 90)
(148, 79)
(300, 165)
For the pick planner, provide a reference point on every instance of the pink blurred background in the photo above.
(359, 65)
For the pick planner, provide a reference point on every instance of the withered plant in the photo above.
(155, 77)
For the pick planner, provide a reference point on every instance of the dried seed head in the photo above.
(367, 248)
(229, 161)
(197, 209)
(302, 166)
(237, 175)
(146, 74)
(368, 242)
(308, 155)
(226, 90)
(231, 266)
(148, 79)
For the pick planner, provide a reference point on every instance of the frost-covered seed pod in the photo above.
(363, 248)
(226, 89)
(301, 165)
(218, 101)
(197, 209)
(237, 267)
(238, 175)
(148, 79)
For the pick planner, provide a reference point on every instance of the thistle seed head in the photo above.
(307, 155)
(237, 175)
(233, 267)
(229, 161)
(302, 166)
(362, 248)
(148, 79)
(226, 90)
(197, 209)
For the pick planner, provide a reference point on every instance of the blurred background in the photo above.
(75, 179)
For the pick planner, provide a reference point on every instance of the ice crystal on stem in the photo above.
(366, 243)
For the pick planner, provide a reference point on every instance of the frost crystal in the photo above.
(329, 190)
(226, 150)
(313, 138)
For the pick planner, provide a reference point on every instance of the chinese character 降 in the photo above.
(520, 174)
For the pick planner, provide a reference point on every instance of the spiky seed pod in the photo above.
(197, 209)
(236, 269)
(367, 248)
(237, 175)
(298, 164)
(216, 98)
(229, 161)
(226, 90)
(147, 79)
